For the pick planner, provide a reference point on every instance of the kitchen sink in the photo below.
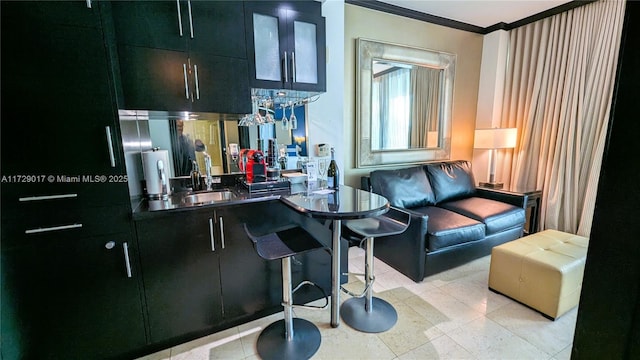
(207, 197)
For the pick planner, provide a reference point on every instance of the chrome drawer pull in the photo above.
(179, 17)
(222, 231)
(190, 18)
(125, 247)
(112, 156)
(186, 81)
(213, 239)
(53, 228)
(47, 197)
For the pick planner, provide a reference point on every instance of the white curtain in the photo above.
(425, 88)
(558, 90)
(391, 112)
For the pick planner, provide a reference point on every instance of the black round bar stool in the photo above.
(363, 311)
(289, 338)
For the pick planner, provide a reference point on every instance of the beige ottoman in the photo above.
(543, 270)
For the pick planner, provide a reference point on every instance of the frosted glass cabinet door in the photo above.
(267, 47)
(306, 58)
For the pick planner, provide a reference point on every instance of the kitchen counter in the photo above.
(228, 196)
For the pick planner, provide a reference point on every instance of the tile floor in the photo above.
(451, 315)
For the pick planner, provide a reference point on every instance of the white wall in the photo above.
(377, 25)
(490, 91)
(326, 115)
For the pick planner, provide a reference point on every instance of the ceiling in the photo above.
(482, 13)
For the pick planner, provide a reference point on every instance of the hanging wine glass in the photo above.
(285, 121)
(293, 121)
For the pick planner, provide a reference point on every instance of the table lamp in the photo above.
(493, 139)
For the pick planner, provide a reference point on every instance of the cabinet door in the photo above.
(67, 298)
(152, 24)
(249, 283)
(58, 108)
(221, 84)
(307, 43)
(218, 28)
(155, 79)
(180, 266)
(286, 45)
(267, 45)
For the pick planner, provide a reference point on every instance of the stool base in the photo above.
(272, 343)
(381, 318)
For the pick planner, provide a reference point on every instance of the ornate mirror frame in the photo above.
(370, 50)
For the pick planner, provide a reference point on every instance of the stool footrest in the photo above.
(312, 307)
(366, 288)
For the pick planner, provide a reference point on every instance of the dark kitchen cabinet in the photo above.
(251, 284)
(58, 114)
(71, 298)
(179, 256)
(182, 56)
(286, 45)
(64, 190)
(158, 79)
(218, 26)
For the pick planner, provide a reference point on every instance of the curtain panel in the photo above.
(558, 90)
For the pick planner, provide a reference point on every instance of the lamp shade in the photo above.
(495, 138)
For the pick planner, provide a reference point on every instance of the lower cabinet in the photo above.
(201, 273)
(179, 256)
(71, 298)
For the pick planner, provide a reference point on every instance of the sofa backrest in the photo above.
(406, 188)
(450, 180)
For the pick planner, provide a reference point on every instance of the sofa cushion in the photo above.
(496, 215)
(451, 180)
(406, 188)
(446, 228)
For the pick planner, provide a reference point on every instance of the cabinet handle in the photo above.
(110, 245)
(88, 4)
(195, 69)
(213, 239)
(125, 247)
(52, 228)
(286, 68)
(190, 18)
(179, 17)
(186, 81)
(293, 67)
(47, 197)
(112, 156)
(222, 231)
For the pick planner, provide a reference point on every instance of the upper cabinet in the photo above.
(182, 55)
(286, 45)
(212, 27)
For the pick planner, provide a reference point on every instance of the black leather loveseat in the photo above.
(452, 221)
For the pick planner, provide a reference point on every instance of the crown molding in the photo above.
(400, 11)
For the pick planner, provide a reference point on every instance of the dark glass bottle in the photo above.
(196, 179)
(333, 173)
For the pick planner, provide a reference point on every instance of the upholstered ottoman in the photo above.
(543, 270)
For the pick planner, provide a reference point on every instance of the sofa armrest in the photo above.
(406, 252)
(519, 200)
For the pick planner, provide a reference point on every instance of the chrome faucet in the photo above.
(207, 165)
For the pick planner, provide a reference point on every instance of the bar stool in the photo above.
(278, 340)
(363, 311)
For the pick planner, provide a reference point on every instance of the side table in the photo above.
(532, 207)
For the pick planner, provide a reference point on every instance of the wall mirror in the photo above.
(404, 104)
(188, 136)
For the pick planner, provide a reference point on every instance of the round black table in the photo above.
(344, 204)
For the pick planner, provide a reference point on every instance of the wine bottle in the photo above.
(332, 172)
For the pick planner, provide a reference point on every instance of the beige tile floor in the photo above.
(451, 315)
